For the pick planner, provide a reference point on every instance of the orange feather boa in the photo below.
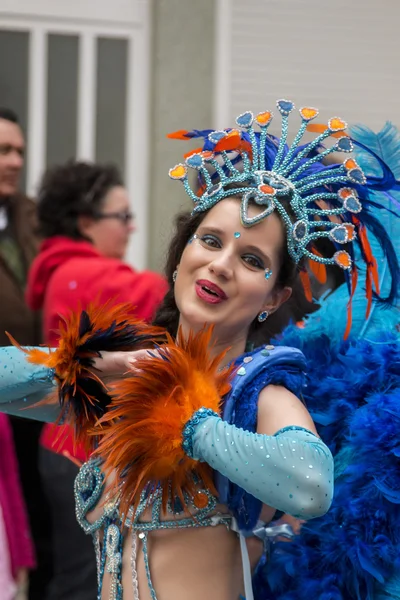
(140, 437)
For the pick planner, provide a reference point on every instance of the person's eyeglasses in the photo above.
(124, 216)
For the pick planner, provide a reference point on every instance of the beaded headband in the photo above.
(334, 201)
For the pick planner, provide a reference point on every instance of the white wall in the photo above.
(341, 57)
(182, 98)
(127, 12)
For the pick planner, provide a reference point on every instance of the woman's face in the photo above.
(110, 232)
(221, 276)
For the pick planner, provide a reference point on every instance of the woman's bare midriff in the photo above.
(195, 563)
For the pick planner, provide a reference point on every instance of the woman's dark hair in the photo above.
(70, 191)
(260, 333)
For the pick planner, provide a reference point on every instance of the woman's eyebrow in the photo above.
(212, 229)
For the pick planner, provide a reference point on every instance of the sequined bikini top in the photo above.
(89, 487)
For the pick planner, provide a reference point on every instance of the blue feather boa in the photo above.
(353, 552)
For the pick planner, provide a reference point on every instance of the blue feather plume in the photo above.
(353, 552)
(379, 156)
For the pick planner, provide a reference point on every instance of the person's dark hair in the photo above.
(259, 333)
(70, 191)
(9, 115)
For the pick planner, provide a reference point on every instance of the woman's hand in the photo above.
(112, 364)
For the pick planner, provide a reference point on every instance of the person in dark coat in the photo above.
(18, 248)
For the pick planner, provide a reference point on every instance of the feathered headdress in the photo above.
(327, 201)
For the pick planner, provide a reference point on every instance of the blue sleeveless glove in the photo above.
(291, 471)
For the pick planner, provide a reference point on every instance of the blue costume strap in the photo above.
(262, 362)
(23, 384)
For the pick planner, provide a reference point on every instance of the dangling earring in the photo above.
(263, 316)
(174, 275)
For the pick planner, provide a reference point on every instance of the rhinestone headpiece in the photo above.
(321, 198)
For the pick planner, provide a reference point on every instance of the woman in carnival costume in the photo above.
(205, 437)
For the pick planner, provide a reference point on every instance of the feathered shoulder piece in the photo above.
(140, 436)
(82, 395)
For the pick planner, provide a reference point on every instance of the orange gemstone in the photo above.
(264, 118)
(350, 231)
(206, 154)
(343, 259)
(266, 189)
(233, 133)
(178, 172)
(350, 163)
(308, 113)
(200, 500)
(337, 124)
(345, 193)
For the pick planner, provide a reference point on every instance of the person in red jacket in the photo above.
(86, 221)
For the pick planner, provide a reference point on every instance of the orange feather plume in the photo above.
(181, 134)
(372, 276)
(245, 146)
(320, 128)
(231, 142)
(202, 188)
(368, 291)
(191, 152)
(318, 269)
(354, 279)
(140, 437)
(306, 283)
(82, 395)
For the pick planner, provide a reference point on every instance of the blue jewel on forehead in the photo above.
(268, 273)
(237, 234)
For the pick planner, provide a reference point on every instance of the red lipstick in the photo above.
(210, 292)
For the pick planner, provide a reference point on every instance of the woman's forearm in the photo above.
(291, 471)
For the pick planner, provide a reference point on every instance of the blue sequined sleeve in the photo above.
(291, 471)
(23, 384)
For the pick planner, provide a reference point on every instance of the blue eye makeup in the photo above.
(211, 240)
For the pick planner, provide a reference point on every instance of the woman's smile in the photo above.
(210, 292)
